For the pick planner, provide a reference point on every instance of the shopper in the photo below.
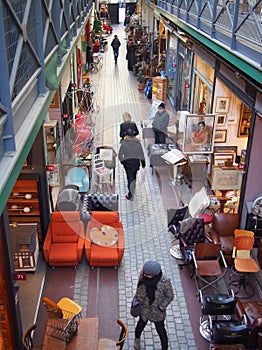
(131, 54)
(155, 293)
(160, 124)
(131, 155)
(115, 45)
(127, 124)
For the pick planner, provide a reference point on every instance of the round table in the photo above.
(106, 236)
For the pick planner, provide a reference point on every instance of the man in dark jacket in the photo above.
(160, 124)
(115, 45)
(131, 155)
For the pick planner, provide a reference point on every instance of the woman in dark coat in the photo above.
(127, 124)
(155, 293)
(130, 55)
(131, 155)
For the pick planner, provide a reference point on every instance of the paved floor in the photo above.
(144, 219)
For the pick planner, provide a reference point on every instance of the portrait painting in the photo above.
(199, 134)
(221, 119)
(222, 104)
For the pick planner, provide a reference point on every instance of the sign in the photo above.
(21, 276)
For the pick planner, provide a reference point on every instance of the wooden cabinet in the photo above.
(159, 88)
(23, 204)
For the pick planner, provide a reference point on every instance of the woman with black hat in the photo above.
(160, 124)
(155, 293)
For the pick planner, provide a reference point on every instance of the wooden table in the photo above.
(86, 337)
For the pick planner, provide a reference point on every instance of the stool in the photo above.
(207, 218)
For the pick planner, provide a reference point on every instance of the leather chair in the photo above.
(222, 231)
(64, 242)
(104, 244)
(79, 177)
(252, 310)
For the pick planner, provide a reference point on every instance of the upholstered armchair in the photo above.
(222, 231)
(253, 312)
(104, 244)
(78, 177)
(64, 242)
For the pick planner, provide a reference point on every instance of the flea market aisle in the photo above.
(116, 93)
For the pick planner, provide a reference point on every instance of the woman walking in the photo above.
(155, 293)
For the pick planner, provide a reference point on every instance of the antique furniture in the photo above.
(252, 310)
(191, 231)
(216, 307)
(68, 199)
(222, 231)
(104, 243)
(64, 308)
(64, 242)
(27, 339)
(86, 337)
(108, 154)
(210, 265)
(101, 173)
(25, 246)
(79, 177)
(243, 263)
(111, 344)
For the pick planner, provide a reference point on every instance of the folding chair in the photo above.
(207, 258)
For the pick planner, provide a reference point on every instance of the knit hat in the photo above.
(152, 268)
(162, 105)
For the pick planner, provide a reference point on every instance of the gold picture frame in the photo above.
(244, 121)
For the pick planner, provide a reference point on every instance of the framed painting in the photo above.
(244, 121)
(221, 120)
(222, 104)
(199, 134)
(220, 136)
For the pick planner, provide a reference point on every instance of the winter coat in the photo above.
(115, 44)
(131, 153)
(131, 56)
(128, 125)
(163, 297)
(161, 121)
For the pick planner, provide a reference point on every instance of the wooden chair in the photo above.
(64, 308)
(110, 344)
(27, 339)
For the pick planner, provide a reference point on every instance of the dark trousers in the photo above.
(131, 180)
(116, 53)
(160, 137)
(160, 328)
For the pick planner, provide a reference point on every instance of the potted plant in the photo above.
(141, 78)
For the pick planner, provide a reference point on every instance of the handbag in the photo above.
(136, 307)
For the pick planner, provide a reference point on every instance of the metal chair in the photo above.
(101, 174)
(207, 258)
(27, 338)
(217, 307)
(64, 308)
(110, 344)
(243, 263)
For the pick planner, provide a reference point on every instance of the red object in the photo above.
(98, 255)
(73, 85)
(187, 86)
(207, 218)
(64, 242)
(50, 168)
(20, 276)
(107, 28)
(65, 116)
(241, 166)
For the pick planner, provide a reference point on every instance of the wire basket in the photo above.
(63, 328)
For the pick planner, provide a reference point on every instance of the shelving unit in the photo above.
(23, 204)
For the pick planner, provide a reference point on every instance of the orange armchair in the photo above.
(104, 244)
(64, 242)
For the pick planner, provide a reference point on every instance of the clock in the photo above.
(257, 206)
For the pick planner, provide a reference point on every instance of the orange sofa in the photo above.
(99, 229)
(64, 242)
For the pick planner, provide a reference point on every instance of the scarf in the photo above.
(151, 286)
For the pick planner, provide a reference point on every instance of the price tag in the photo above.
(19, 276)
